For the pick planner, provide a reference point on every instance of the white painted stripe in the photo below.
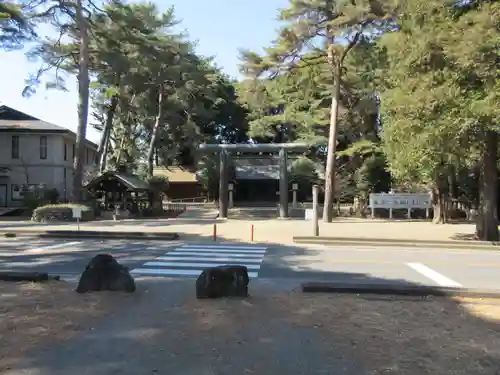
(195, 265)
(58, 246)
(171, 272)
(180, 249)
(8, 254)
(433, 275)
(70, 279)
(229, 246)
(205, 258)
(218, 253)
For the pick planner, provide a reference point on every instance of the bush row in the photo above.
(61, 212)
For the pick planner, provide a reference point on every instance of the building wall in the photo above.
(53, 171)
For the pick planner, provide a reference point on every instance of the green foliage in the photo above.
(35, 197)
(209, 174)
(304, 173)
(307, 59)
(134, 51)
(439, 95)
(372, 176)
(15, 27)
(61, 212)
(304, 170)
(51, 195)
(158, 183)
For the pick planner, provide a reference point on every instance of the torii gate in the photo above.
(224, 150)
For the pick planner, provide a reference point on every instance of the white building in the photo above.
(34, 152)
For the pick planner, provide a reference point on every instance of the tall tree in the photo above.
(329, 29)
(69, 19)
(83, 99)
(439, 99)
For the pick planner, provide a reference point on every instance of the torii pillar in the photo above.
(223, 184)
(283, 184)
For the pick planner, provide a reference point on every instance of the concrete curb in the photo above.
(394, 289)
(449, 244)
(87, 234)
(27, 276)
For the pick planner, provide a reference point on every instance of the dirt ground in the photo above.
(387, 335)
(39, 314)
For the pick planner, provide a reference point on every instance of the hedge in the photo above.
(61, 212)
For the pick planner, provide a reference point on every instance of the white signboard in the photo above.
(401, 200)
(77, 213)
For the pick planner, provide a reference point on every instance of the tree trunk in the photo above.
(102, 151)
(440, 196)
(336, 64)
(452, 183)
(154, 135)
(332, 143)
(83, 103)
(104, 157)
(439, 205)
(487, 223)
(120, 149)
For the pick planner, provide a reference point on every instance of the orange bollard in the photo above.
(251, 232)
(215, 232)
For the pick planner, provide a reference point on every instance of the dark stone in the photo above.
(223, 281)
(104, 273)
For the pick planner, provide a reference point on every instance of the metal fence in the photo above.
(182, 205)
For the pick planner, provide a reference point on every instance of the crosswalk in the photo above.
(190, 260)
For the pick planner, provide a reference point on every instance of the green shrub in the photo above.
(30, 203)
(61, 212)
(51, 195)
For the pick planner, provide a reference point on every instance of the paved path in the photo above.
(468, 268)
(270, 231)
(68, 258)
(190, 260)
(428, 266)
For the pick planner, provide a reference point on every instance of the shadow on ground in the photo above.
(278, 330)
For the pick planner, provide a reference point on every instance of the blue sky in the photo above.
(221, 27)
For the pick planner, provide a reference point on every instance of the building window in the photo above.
(21, 191)
(73, 152)
(88, 157)
(65, 151)
(15, 147)
(43, 147)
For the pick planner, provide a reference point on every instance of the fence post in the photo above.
(315, 211)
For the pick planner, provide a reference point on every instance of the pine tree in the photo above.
(320, 32)
(15, 26)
